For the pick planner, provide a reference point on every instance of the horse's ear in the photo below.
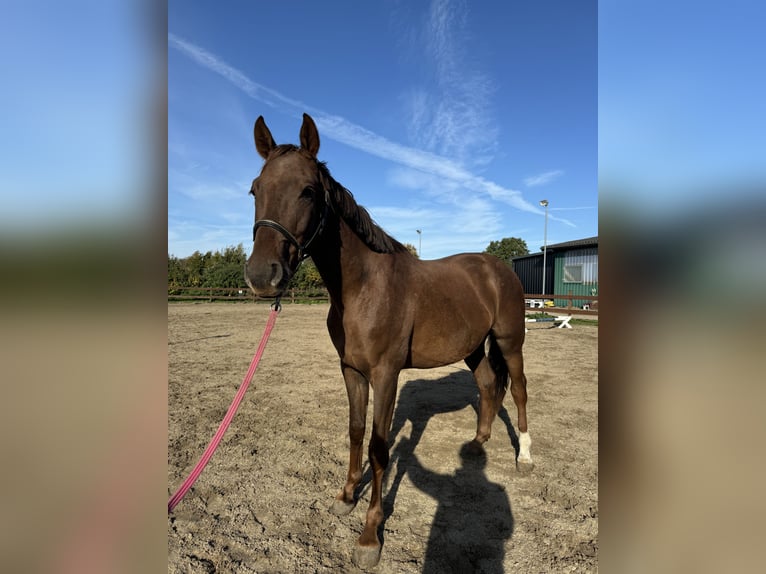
(264, 143)
(309, 135)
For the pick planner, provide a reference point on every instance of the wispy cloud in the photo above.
(450, 111)
(477, 212)
(543, 178)
(360, 138)
(355, 136)
(236, 77)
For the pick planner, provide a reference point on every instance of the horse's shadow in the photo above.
(419, 401)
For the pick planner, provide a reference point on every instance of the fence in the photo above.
(230, 294)
(574, 303)
(210, 294)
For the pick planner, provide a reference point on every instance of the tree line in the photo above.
(225, 268)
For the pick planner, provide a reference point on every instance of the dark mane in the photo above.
(357, 216)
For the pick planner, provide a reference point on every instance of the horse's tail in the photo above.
(498, 364)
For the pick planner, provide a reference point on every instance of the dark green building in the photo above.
(571, 268)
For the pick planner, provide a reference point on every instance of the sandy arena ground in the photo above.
(261, 504)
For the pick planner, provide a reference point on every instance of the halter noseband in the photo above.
(290, 237)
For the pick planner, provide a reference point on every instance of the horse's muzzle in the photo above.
(267, 278)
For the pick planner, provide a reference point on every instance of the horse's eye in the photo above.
(307, 193)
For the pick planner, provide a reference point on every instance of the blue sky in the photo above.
(451, 117)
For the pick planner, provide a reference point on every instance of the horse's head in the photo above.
(290, 208)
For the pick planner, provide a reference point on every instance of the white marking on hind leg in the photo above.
(524, 443)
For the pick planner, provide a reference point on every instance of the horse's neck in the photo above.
(341, 258)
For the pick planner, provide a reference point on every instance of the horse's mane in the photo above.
(356, 216)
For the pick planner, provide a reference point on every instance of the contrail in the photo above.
(355, 136)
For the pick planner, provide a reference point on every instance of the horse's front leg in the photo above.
(357, 388)
(384, 381)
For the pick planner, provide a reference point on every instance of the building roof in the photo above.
(527, 256)
(587, 242)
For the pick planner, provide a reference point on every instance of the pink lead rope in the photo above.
(176, 498)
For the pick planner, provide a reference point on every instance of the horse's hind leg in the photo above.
(486, 380)
(519, 394)
(514, 359)
(358, 390)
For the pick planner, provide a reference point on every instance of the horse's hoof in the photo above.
(341, 508)
(524, 466)
(366, 557)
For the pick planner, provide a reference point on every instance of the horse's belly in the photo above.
(440, 348)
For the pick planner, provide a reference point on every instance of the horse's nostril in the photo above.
(265, 277)
(276, 274)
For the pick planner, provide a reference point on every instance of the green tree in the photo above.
(230, 275)
(412, 249)
(307, 277)
(194, 267)
(507, 247)
(176, 274)
(226, 268)
(223, 268)
(233, 255)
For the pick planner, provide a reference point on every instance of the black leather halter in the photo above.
(302, 254)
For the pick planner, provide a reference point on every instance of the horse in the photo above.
(389, 310)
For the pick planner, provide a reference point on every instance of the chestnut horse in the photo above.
(389, 310)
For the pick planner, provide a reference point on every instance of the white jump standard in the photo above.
(560, 322)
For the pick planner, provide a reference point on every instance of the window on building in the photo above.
(573, 273)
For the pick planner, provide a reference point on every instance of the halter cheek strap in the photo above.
(302, 249)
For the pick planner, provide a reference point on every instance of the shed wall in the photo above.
(576, 272)
(530, 272)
